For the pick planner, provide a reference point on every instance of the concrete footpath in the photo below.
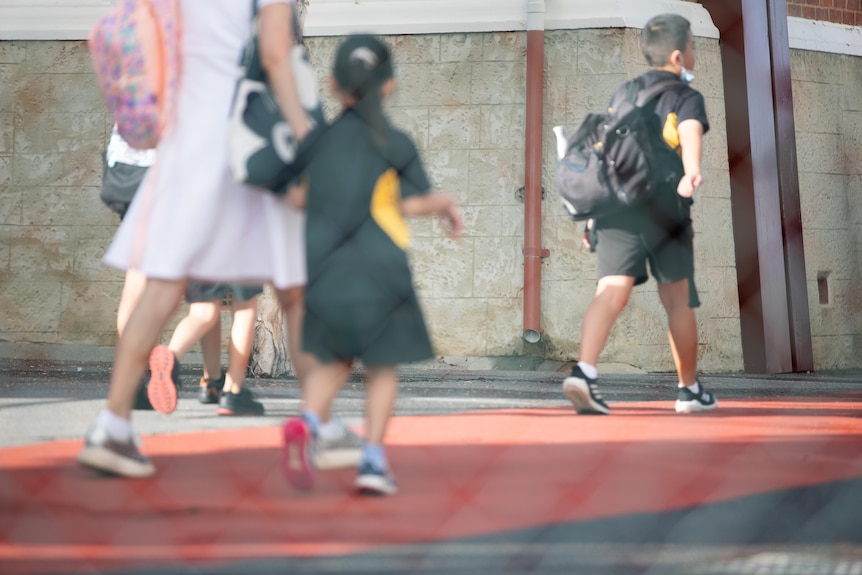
(496, 473)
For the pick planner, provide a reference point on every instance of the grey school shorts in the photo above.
(197, 292)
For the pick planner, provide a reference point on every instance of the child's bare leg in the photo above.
(682, 329)
(300, 433)
(241, 343)
(158, 301)
(380, 401)
(292, 302)
(211, 350)
(612, 295)
(202, 317)
(322, 386)
(132, 289)
(375, 477)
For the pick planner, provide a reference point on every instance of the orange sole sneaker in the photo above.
(162, 388)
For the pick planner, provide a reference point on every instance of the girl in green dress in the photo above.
(363, 178)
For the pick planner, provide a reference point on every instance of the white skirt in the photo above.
(189, 219)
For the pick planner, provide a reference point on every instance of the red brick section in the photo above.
(839, 11)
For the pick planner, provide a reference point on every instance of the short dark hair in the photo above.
(662, 35)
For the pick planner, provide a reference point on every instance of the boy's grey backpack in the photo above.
(262, 147)
(616, 159)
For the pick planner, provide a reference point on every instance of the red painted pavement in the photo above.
(219, 496)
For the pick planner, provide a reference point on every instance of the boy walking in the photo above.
(658, 231)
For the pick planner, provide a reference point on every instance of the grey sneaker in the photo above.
(584, 394)
(341, 450)
(688, 402)
(103, 453)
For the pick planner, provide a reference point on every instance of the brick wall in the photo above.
(838, 11)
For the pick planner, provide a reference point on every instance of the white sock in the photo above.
(590, 371)
(116, 426)
(694, 387)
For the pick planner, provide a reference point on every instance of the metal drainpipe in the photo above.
(533, 252)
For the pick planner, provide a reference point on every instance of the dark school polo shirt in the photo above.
(360, 300)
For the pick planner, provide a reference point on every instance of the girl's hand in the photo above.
(436, 203)
(454, 222)
(297, 195)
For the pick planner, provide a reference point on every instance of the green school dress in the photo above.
(360, 301)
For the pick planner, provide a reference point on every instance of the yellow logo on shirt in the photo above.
(386, 208)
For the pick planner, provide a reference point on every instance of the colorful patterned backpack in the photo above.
(135, 51)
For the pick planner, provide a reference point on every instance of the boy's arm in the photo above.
(691, 144)
(441, 204)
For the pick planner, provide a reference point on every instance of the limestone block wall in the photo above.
(827, 93)
(54, 230)
(461, 97)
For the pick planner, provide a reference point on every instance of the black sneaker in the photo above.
(688, 402)
(142, 402)
(242, 403)
(210, 389)
(584, 394)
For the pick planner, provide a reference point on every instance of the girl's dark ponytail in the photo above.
(362, 65)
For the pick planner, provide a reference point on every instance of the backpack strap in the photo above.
(634, 94)
(646, 95)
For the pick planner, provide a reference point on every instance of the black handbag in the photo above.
(119, 183)
(262, 147)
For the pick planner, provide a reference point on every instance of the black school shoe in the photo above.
(242, 403)
(142, 402)
(374, 481)
(584, 394)
(210, 389)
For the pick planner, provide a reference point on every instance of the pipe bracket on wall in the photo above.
(521, 192)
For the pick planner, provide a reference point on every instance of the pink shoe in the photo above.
(297, 455)
(162, 387)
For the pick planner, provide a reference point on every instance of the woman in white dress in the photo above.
(189, 219)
